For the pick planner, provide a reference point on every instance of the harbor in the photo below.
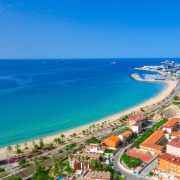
(168, 71)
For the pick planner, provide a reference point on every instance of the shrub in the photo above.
(2, 169)
(14, 178)
(130, 161)
(23, 162)
(93, 140)
(150, 174)
(70, 146)
(148, 132)
(110, 151)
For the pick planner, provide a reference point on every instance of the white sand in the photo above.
(170, 86)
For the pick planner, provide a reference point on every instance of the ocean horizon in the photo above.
(46, 96)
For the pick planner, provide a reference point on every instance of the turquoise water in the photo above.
(42, 97)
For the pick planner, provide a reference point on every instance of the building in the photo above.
(171, 125)
(154, 143)
(81, 162)
(136, 119)
(97, 175)
(95, 148)
(169, 163)
(136, 128)
(175, 134)
(145, 157)
(173, 147)
(94, 175)
(112, 142)
(125, 136)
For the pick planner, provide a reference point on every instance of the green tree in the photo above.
(150, 174)
(2, 169)
(25, 145)
(23, 163)
(17, 146)
(41, 143)
(41, 174)
(9, 148)
(14, 178)
(175, 98)
(130, 161)
(62, 136)
(57, 140)
(57, 168)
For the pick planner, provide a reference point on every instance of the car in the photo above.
(118, 172)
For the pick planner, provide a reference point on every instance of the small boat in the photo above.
(114, 62)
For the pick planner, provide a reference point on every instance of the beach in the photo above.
(170, 86)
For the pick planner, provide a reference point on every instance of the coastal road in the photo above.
(29, 171)
(119, 168)
(149, 168)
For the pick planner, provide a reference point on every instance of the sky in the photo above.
(89, 28)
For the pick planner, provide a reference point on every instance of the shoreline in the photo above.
(167, 90)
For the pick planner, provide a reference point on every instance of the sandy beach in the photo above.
(170, 86)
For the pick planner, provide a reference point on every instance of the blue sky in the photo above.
(89, 28)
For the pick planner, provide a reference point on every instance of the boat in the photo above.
(113, 62)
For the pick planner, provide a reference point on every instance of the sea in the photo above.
(41, 97)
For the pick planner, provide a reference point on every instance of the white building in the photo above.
(173, 147)
(136, 128)
(95, 148)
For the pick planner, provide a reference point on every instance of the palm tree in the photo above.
(41, 143)
(34, 143)
(25, 145)
(9, 148)
(57, 140)
(18, 151)
(84, 132)
(17, 146)
(74, 135)
(62, 136)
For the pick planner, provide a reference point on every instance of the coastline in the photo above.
(169, 87)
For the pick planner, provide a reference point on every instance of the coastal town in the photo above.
(168, 70)
(143, 143)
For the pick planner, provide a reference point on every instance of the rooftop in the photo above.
(171, 122)
(127, 133)
(96, 145)
(170, 158)
(98, 174)
(152, 140)
(112, 141)
(143, 156)
(175, 142)
(175, 133)
(137, 118)
(94, 175)
(113, 138)
(87, 155)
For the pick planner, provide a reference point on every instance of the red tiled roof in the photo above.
(143, 156)
(175, 133)
(170, 158)
(153, 139)
(175, 142)
(127, 134)
(171, 122)
(137, 118)
(112, 141)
